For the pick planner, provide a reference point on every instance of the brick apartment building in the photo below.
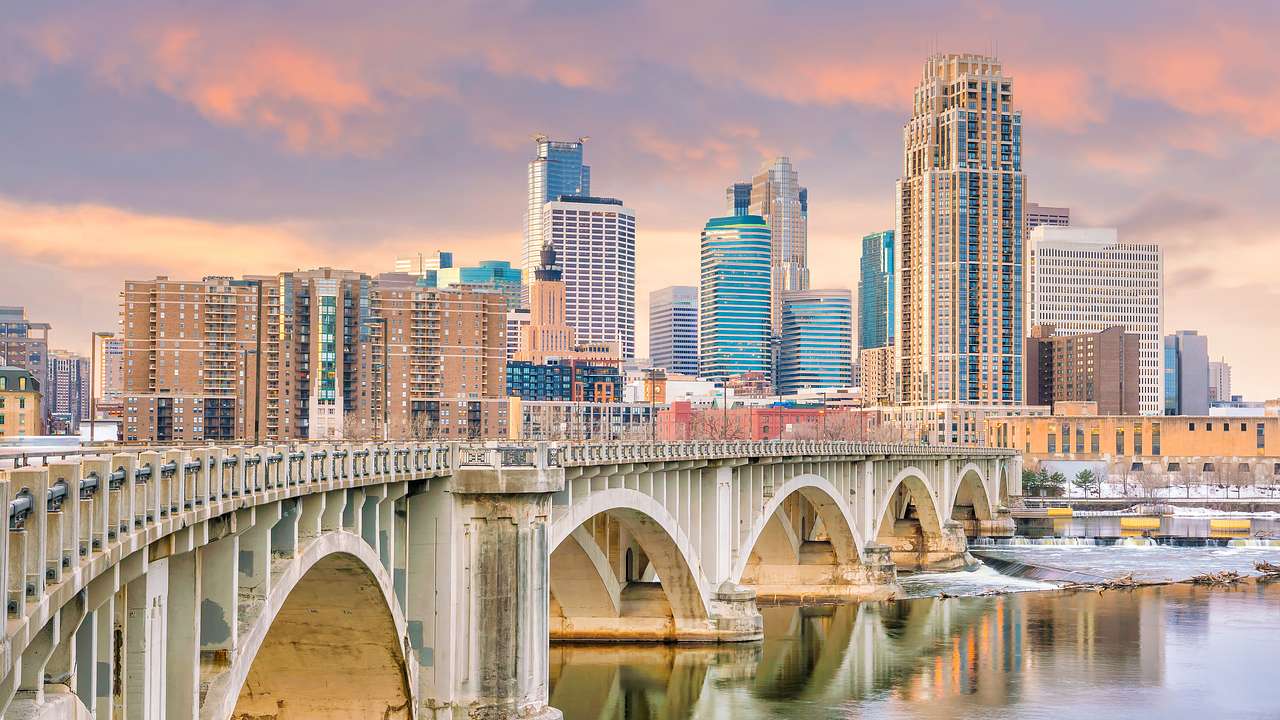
(314, 354)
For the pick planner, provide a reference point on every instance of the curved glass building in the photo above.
(817, 340)
(735, 293)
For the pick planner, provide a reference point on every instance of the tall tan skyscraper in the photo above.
(959, 238)
(774, 194)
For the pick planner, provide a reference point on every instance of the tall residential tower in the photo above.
(960, 222)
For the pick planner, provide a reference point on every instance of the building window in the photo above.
(1191, 427)
(1053, 443)
(1155, 438)
(1119, 441)
(1079, 438)
(1208, 467)
(1262, 436)
(1175, 467)
(1137, 439)
(1095, 442)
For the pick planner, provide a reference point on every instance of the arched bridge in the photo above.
(424, 580)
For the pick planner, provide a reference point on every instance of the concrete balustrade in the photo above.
(418, 580)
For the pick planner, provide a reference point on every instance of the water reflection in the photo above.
(1042, 654)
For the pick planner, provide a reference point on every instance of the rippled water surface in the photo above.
(1175, 651)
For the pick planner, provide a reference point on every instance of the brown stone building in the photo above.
(317, 354)
(1099, 367)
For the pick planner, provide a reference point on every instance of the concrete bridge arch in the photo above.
(334, 594)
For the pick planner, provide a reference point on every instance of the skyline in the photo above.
(202, 143)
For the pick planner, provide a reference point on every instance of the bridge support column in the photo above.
(478, 591)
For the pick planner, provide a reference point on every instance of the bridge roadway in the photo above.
(416, 580)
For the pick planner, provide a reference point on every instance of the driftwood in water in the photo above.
(1225, 577)
(1268, 570)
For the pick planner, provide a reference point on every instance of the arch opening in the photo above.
(911, 527)
(971, 507)
(805, 545)
(332, 651)
(622, 575)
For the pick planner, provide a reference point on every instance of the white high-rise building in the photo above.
(595, 242)
(1084, 280)
(1219, 381)
(673, 329)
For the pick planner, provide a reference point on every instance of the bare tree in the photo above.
(1151, 481)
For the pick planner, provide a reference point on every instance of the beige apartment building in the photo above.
(959, 232)
(305, 355)
(19, 402)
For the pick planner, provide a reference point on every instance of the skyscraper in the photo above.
(776, 196)
(555, 170)
(1186, 373)
(817, 340)
(1219, 381)
(875, 291)
(673, 329)
(1084, 280)
(735, 298)
(595, 243)
(960, 221)
(66, 394)
(738, 198)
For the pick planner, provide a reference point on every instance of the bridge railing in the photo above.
(69, 522)
(614, 452)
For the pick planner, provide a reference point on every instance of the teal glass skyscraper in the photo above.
(875, 291)
(492, 275)
(735, 296)
(817, 340)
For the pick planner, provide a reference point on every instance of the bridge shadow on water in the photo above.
(956, 657)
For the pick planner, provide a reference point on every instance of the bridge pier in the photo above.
(416, 580)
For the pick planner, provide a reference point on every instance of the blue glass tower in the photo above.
(875, 291)
(557, 169)
(817, 340)
(735, 294)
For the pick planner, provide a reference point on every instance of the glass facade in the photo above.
(735, 298)
(817, 340)
(493, 275)
(875, 291)
(556, 169)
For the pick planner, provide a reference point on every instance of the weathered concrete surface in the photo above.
(57, 703)
(326, 643)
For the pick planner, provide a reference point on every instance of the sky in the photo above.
(147, 137)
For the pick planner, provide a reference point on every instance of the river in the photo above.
(1175, 651)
